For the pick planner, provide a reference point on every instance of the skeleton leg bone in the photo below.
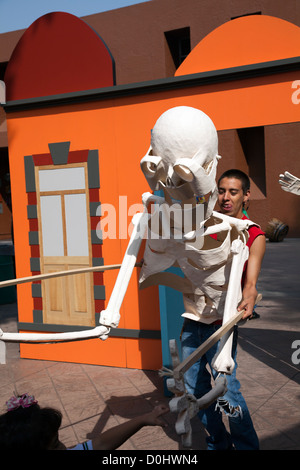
(186, 405)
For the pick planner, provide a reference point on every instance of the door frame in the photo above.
(63, 301)
(60, 155)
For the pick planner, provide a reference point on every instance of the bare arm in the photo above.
(256, 255)
(114, 437)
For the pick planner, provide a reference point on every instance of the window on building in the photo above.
(3, 66)
(179, 44)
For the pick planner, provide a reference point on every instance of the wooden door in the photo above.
(64, 231)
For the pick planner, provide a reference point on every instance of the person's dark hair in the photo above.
(30, 428)
(238, 174)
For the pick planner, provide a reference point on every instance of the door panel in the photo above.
(63, 210)
(68, 300)
(52, 228)
(81, 299)
(55, 306)
(76, 230)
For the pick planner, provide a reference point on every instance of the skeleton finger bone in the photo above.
(289, 183)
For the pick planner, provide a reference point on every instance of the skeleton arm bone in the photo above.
(223, 361)
(256, 255)
(227, 221)
(98, 332)
(111, 316)
(190, 360)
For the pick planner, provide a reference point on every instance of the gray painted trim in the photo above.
(95, 209)
(29, 174)
(37, 318)
(32, 211)
(97, 261)
(95, 238)
(35, 264)
(36, 290)
(154, 86)
(59, 152)
(99, 292)
(114, 332)
(33, 238)
(93, 169)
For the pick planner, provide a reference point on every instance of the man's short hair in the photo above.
(238, 174)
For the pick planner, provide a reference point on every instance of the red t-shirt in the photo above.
(254, 231)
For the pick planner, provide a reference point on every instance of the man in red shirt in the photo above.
(234, 194)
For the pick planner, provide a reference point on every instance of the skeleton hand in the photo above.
(290, 183)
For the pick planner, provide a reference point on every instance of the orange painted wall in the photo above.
(119, 175)
(246, 40)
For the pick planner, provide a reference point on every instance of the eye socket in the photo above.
(208, 166)
(149, 164)
(184, 173)
(149, 168)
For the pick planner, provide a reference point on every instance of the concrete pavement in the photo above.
(94, 398)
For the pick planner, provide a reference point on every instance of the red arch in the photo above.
(246, 40)
(58, 53)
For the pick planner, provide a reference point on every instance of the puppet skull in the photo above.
(183, 154)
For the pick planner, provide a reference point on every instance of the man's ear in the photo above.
(246, 196)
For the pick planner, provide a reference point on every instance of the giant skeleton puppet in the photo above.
(182, 161)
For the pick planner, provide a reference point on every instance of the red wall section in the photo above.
(58, 53)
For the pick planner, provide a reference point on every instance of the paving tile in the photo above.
(94, 426)
(290, 391)
(68, 436)
(275, 439)
(154, 438)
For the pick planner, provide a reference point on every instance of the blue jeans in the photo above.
(198, 382)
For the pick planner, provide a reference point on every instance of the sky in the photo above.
(19, 14)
